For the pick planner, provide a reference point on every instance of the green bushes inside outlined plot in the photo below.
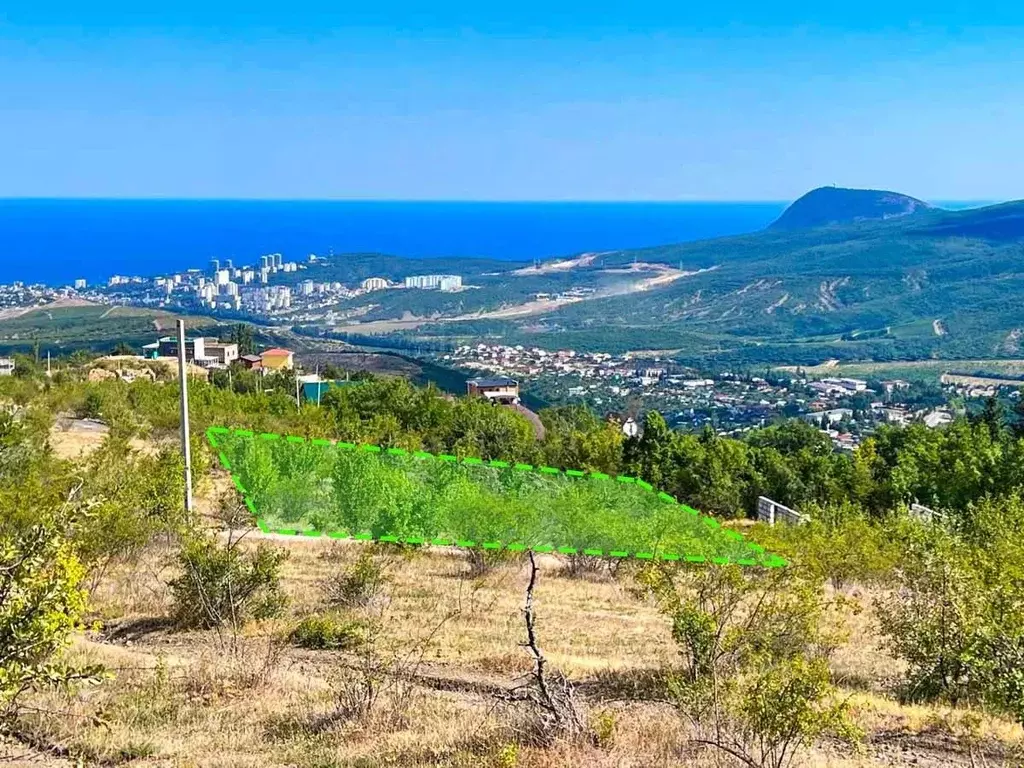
(318, 487)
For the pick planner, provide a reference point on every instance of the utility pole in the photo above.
(298, 405)
(186, 448)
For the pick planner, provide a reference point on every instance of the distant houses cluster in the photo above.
(211, 353)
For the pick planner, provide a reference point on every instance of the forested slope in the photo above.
(861, 289)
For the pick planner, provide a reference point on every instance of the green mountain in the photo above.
(882, 276)
(835, 205)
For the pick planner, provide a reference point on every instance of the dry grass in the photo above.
(77, 438)
(203, 699)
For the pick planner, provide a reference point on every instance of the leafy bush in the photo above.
(357, 585)
(129, 498)
(326, 633)
(755, 680)
(92, 405)
(604, 723)
(957, 615)
(839, 544)
(223, 585)
(41, 602)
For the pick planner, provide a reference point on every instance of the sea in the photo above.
(55, 241)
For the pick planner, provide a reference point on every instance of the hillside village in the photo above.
(625, 386)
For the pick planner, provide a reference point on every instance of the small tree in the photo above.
(222, 585)
(242, 335)
(957, 613)
(755, 681)
(92, 405)
(41, 602)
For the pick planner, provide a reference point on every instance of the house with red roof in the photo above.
(277, 359)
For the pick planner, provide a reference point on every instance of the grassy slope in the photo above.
(243, 702)
(204, 698)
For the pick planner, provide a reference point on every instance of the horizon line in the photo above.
(453, 200)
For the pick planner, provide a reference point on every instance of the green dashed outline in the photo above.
(756, 556)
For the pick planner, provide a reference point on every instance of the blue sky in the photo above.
(743, 100)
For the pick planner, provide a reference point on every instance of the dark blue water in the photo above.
(56, 241)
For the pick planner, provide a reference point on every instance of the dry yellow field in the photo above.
(447, 650)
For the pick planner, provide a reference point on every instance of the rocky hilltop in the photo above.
(836, 205)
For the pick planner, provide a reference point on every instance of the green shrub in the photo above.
(326, 633)
(357, 585)
(223, 585)
(42, 600)
(91, 406)
(507, 757)
(839, 544)
(130, 498)
(755, 684)
(604, 725)
(957, 617)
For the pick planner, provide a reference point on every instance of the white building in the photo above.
(451, 283)
(6, 366)
(79, 284)
(222, 276)
(444, 282)
(834, 416)
(839, 386)
(938, 418)
(374, 284)
(306, 287)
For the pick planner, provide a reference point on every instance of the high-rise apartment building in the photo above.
(444, 282)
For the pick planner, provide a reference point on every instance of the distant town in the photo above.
(620, 387)
(228, 287)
